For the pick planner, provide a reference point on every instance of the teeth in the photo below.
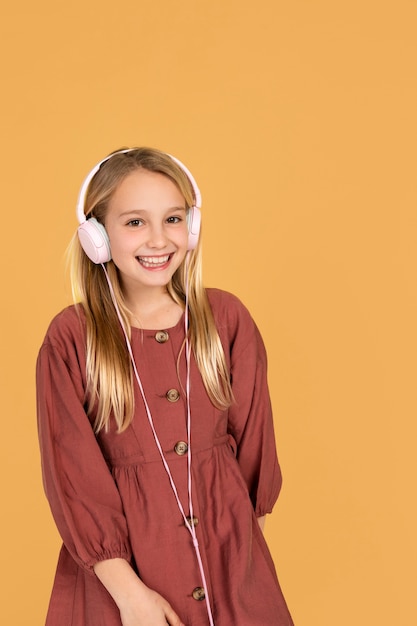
(151, 260)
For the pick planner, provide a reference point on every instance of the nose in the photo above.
(157, 237)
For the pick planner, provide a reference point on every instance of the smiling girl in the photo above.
(155, 425)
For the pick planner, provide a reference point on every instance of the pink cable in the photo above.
(189, 526)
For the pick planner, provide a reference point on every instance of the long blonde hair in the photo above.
(108, 365)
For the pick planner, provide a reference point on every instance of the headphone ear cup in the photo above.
(194, 223)
(94, 241)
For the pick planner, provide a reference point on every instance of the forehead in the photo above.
(145, 190)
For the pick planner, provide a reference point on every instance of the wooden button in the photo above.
(181, 448)
(172, 395)
(199, 594)
(161, 336)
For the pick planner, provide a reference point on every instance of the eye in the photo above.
(174, 219)
(134, 223)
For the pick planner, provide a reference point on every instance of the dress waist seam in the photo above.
(139, 459)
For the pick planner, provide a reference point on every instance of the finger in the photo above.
(172, 618)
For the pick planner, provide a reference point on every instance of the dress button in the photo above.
(161, 336)
(199, 593)
(195, 520)
(172, 395)
(181, 448)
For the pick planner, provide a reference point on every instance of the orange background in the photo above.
(298, 120)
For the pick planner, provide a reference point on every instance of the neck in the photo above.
(153, 308)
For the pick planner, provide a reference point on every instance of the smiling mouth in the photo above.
(154, 262)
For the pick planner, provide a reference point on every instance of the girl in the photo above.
(155, 423)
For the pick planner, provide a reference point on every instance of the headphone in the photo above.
(92, 235)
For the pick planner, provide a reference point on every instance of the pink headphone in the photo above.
(92, 235)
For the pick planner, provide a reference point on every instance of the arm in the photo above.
(250, 418)
(138, 605)
(82, 494)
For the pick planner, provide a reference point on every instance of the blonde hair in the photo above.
(108, 366)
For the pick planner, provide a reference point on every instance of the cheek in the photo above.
(118, 244)
(184, 236)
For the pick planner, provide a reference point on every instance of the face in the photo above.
(147, 229)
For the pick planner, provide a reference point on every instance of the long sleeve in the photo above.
(79, 486)
(250, 421)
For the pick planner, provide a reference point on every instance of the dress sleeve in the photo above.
(250, 418)
(82, 494)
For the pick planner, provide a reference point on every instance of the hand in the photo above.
(150, 609)
(138, 605)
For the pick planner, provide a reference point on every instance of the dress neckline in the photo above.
(178, 325)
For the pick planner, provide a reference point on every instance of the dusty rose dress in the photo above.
(110, 494)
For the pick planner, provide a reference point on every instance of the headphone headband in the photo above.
(93, 236)
(83, 191)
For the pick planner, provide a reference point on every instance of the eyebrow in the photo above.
(146, 211)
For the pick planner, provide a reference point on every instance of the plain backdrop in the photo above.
(298, 120)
